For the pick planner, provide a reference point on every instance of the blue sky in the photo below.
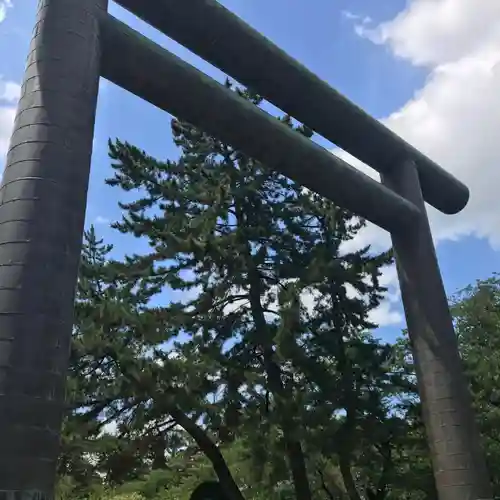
(359, 47)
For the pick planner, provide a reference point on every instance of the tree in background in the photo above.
(476, 315)
(264, 375)
(476, 311)
(111, 317)
(116, 379)
(279, 314)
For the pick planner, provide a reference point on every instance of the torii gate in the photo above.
(44, 192)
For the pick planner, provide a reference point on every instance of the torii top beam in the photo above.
(224, 40)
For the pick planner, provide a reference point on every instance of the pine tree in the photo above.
(114, 332)
(121, 376)
(250, 248)
(109, 314)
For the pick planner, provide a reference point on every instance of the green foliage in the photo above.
(476, 310)
(272, 314)
(239, 347)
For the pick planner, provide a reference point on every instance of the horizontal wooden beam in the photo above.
(166, 81)
(224, 40)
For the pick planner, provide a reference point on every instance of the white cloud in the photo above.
(432, 32)
(388, 313)
(455, 117)
(4, 5)
(389, 279)
(361, 20)
(7, 115)
(111, 428)
(9, 91)
(9, 94)
(102, 220)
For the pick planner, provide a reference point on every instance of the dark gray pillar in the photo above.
(458, 461)
(42, 210)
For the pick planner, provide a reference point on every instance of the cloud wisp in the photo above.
(9, 95)
(4, 5)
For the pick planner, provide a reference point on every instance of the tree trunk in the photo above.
(158, 450)
(293, 446)
(380, 491)
(345, 470)
(344, 366)
(211, 451)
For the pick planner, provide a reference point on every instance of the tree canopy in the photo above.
(239, 350)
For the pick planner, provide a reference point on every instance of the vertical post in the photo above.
(42, 210)
(458, 462)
